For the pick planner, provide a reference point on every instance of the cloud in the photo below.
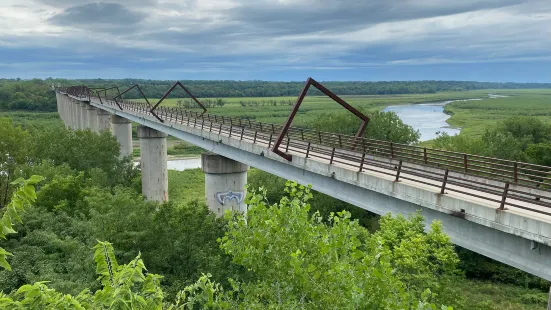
(276, 35)
(98, 16)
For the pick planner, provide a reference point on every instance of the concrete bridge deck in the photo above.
(519, 236)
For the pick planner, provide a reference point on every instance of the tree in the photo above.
(22, 198)
(304, 261)
(382, 126)
(14, 142)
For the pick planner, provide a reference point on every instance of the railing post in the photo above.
(270, 142)
(220, 129)
(505, 191)
(273, 128)
(444, 182)
(319, 134)
(465, 163)
(254, 140)
(516, 172)
(242, 131)
(332, 156)
(203, 124)
(425, 155)
(287, 146)
(391, 150)
(302, 134)
(340, 141)
(398, 172)
(362, 162)
(231, 127)
(195, 123)
(308, 149)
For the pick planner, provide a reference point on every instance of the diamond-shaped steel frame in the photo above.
(127, 90)
(328, 93)
(168, 93)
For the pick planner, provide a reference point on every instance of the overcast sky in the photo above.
(484, 40)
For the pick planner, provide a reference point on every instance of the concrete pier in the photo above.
(82, 120)
(73, 123)
(92, 118)
(103, 119)
(122, 130)
(225, 181)
(153, 162)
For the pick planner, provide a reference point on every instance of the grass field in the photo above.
(33, 119)
(315, 105)
(475, 116)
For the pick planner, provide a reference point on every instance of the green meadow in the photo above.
(475, 116)
(263, 110)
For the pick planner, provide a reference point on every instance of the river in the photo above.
(184, 164)
(429, 118)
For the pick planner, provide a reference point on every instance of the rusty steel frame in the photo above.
(311, 82)
(152, 111)
(127, 90)
(104, 90)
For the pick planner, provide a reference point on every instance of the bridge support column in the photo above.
(92, 118)
(103, 119)
(122, 130)
(82, 116)
(153, 162)
(225, 181)
(75, 118)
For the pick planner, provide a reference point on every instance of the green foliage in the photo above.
(22, 198)
(324, 204)
(474, 117)
(14, 143)
(382, 126)
(421, 260)
(217, 89)
(303, 261)
(516, 138)
(123, 287)
(185, 149)
(186, 186)
(32, 95)
(82, 151)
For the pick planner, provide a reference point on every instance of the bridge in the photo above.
(498, 208)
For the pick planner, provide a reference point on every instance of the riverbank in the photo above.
(475, 117)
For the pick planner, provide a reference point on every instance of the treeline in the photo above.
(156, 89)
(38, 95)
(30, 95)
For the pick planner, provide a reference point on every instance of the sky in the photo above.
(278, 40)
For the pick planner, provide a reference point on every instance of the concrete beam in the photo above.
(225, 181)
(122, 130)
(153, 162)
